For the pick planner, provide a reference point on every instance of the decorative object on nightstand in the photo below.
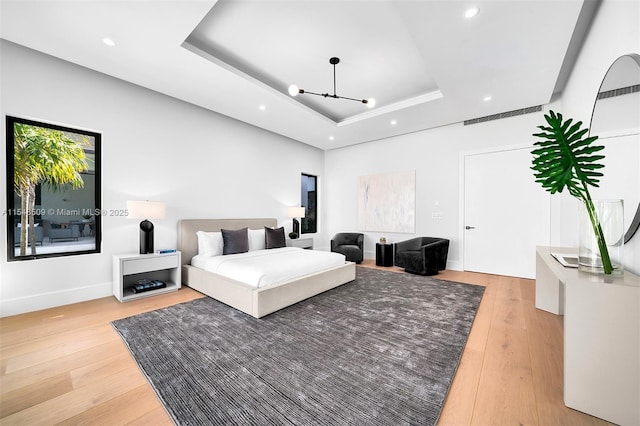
(294, 213)
(143, 275)
(146, 210)
(383, 240)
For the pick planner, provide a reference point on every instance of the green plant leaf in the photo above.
(564, 158)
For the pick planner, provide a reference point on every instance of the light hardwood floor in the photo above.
(67, 365)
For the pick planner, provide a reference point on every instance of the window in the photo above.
(309, 200)
(53, 190)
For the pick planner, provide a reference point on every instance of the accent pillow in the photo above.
(256, 239)
(274, 238)
(235, 241)
(209, 243)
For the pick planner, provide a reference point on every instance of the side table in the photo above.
(305, 243)
(384, 254)
(129, 269)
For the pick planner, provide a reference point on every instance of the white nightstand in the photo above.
(305, 243)
(129, 269)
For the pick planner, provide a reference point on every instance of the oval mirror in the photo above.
(616, 121)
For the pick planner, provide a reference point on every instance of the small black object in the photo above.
(146, 285)
(146, 237)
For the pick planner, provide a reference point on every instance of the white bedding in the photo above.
(262, 268)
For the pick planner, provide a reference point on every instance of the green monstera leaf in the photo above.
(563, 159)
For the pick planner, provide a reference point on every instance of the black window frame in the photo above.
(309, 223)
(12, 210)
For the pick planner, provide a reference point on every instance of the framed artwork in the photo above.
(387, 202)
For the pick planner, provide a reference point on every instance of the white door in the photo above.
(506, 213)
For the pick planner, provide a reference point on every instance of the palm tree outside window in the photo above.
(52, 184)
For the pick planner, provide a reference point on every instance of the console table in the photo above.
(601, 336)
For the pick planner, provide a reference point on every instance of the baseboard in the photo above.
(454, 265)
(21, 305)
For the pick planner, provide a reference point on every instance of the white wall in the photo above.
(202, 164)
(435, 155)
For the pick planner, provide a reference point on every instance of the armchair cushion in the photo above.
(350, 244)
(422, 255)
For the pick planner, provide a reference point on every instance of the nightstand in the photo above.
(131, 269)
(305, 243)
(384, 254)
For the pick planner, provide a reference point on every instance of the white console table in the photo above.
(601, 336)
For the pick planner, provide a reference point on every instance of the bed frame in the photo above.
(256, 302)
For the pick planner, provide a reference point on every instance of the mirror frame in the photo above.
(635, 223)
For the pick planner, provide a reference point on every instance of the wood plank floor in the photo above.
(67, 365)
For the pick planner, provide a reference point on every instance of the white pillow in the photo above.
(256, 239)
(209, 243)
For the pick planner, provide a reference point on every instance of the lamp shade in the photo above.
(146, 210)
(296, 212)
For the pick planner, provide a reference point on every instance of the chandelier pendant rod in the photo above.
(295, 90)
(334, 79)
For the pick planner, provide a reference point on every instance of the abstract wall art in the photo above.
(387, 202)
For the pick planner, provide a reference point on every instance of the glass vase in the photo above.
(610, 218)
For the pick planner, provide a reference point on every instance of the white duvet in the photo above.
(262, 268)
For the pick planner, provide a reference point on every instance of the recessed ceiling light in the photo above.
(108, 41)
(394, 122)
(486, 98)
(331, 138)
(471, 12)
(262, 107)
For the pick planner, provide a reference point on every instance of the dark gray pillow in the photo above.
(235, 241)
(274, 238)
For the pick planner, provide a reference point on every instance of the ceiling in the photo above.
(423, 61)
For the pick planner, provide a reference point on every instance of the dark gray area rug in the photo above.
(381, 350)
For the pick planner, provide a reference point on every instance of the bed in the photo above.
(255, 301)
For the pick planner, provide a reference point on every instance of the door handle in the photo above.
(469, 227)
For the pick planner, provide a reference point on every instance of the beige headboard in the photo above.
(187, 228)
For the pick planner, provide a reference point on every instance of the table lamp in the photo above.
(295, 212)
(146, 210)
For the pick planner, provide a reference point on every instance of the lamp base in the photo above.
(296, 226)
(146, 237)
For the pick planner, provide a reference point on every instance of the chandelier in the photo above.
(295, 90)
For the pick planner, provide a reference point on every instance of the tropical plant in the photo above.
(564, 159)
(43, 156)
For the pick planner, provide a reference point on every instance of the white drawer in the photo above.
(155, 263)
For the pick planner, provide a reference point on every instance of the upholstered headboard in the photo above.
(187, 228)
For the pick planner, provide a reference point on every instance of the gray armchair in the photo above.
(39, 231)
(422, 255)
(351, 244)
